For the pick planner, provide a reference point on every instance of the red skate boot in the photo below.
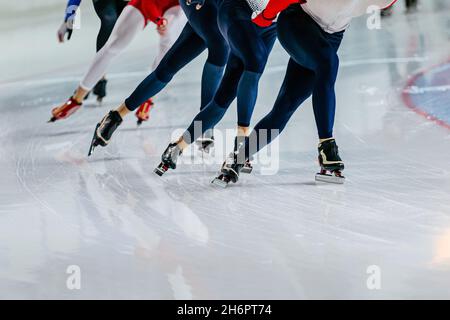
(143, 113)
(66, 110)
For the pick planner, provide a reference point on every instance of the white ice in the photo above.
(136, 235)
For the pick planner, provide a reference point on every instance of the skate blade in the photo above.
(220, 182)
(161, 169)
(93, 142)
(91, 150)
(246, 170)
(328, 178)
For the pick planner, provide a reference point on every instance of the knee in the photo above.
(112, 47)
(234, 69)
(108, 20)
(257, 62)
(327, 69)
(218, 54)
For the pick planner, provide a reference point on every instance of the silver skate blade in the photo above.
(91, 150)
(246, 170)
(92, 147)
(159, 172)
(328, 178)
(220, 183)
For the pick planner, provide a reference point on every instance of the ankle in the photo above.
(326, 139)
(123, 110)
(80, 94)
(243, 131)
(182, 144)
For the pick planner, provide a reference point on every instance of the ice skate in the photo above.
(169, 159)
(66, 110)
(105, 129)
(100, 90)
(330, 163)
(230, 170)
(143, 113)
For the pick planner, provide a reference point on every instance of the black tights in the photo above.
(108, 11)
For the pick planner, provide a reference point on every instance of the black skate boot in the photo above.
(100, 90)
(230, 170)
(330, 163)
(169, 159)
(105, 129)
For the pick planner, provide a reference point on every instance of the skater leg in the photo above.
(209, 116)
(218, 49)
(318, 50)
(108, 12)
(324, 96)
(252, 45)
(248, 58)
(176, 21)
(127, 26)
(315, 50)
(297, 86)
(225, 95)
(187, 47)
(211, 77)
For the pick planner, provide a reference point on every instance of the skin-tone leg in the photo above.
(182, 144)
(243, 131)
(123, 110)
(80, 94)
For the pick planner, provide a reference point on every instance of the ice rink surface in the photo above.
(136, 235)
